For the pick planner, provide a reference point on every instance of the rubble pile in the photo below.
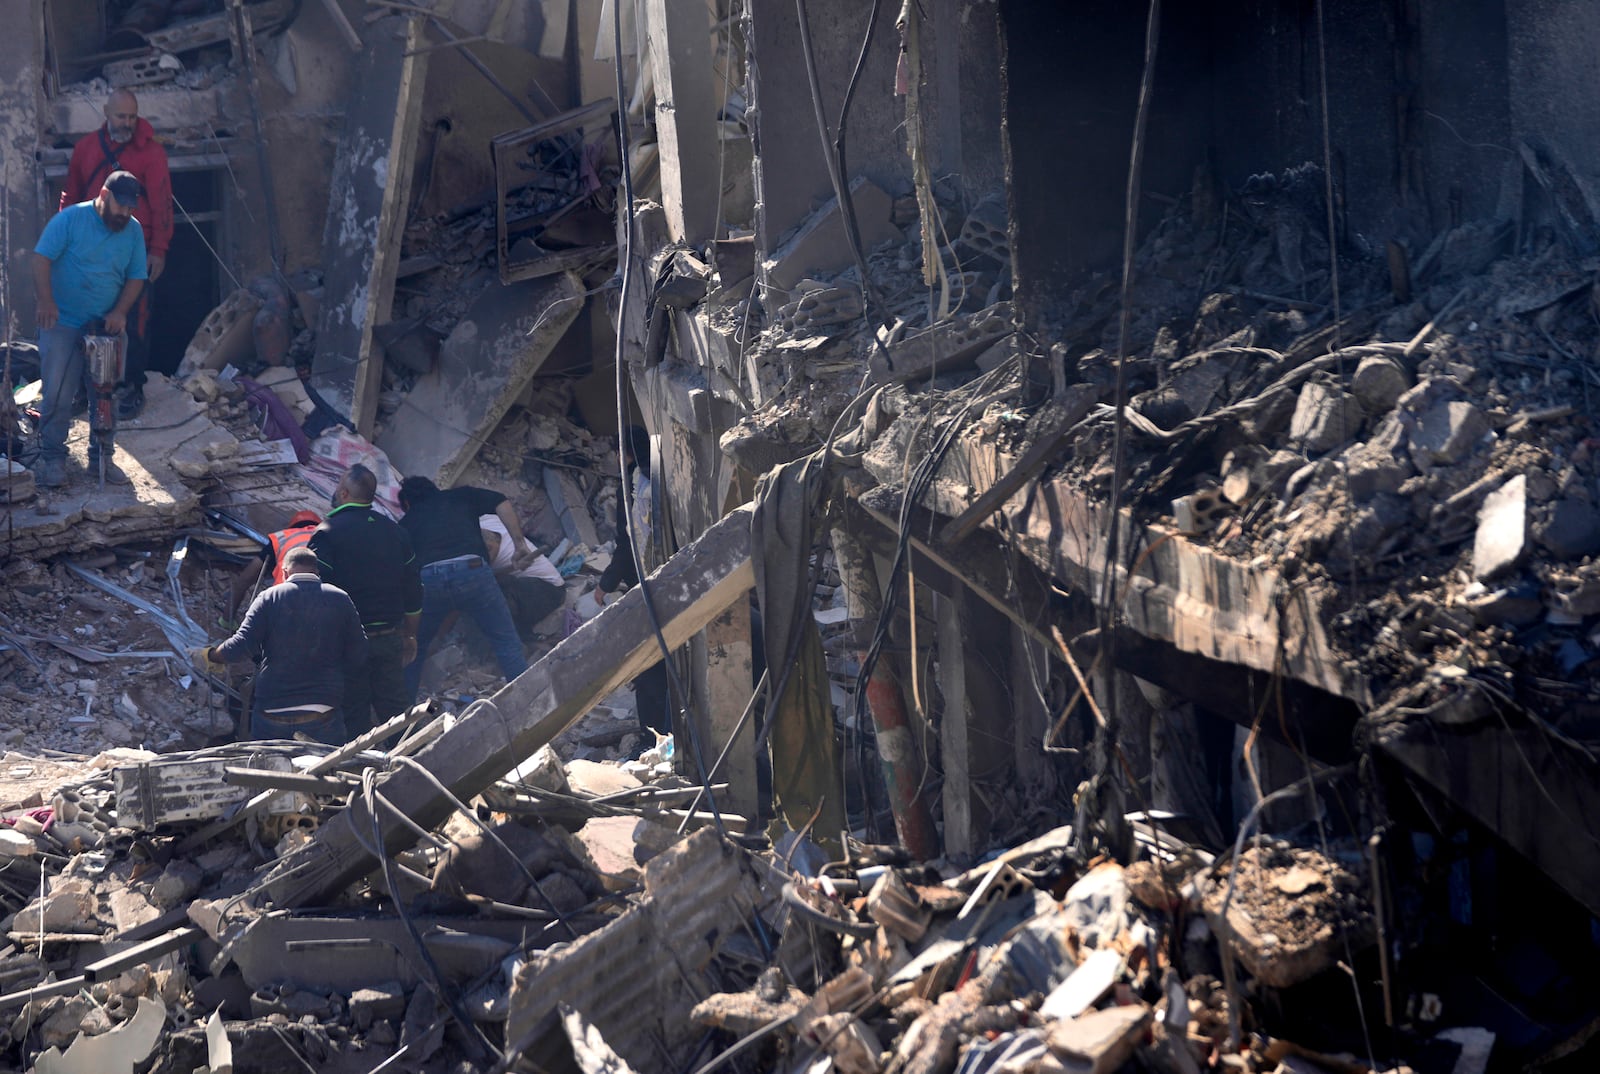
(83, 670)
(552, 914)
(1422, 469)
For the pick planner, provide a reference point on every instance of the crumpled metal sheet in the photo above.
(636, 980)
(183, 636)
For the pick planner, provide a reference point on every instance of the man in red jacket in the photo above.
(128, 143)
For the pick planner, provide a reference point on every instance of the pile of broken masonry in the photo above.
(564, 920)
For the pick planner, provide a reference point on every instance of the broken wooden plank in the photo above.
(690, 590)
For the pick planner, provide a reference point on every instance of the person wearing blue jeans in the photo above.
(88, 266)
(456, 575)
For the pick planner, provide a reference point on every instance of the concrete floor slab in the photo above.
(484, 365)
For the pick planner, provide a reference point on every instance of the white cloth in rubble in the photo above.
(541, 567)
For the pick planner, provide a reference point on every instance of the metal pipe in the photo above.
(898, 752)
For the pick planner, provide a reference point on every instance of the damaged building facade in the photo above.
(1123, 516)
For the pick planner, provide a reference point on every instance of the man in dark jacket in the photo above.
(369, 556)
(307, 636)
(128, 143)
(456, 577)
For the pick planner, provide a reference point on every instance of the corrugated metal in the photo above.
(637, 978)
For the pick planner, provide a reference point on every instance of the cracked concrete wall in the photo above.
(21, 100)
(1552, 46)
(461, 112)
(790, 172)
(302, 131)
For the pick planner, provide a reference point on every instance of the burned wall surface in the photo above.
(22, 57)
(791, 173)
(1551, 48)
(1236, 91)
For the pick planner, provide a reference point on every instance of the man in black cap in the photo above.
(88, 270)
(307, 637)
(127, 143)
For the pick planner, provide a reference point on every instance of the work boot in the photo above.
(114, 474)
(50, 473)
(130, 402)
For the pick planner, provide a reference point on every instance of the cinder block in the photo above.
(224, 336)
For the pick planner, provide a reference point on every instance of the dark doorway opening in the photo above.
(191, 286)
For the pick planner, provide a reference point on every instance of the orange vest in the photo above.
(286, 540)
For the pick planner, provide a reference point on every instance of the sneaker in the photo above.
(50, 474)
(130, 403)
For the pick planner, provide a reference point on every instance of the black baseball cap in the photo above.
(125, 187)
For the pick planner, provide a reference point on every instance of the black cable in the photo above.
(872, 304)
(848, 206)
(676, 693)
(476, 1040)
(1108, 587)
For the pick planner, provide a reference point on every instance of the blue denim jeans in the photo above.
(63, 369)
(61, 366)
(468, 587)
(329, 728)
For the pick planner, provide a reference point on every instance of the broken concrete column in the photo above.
(370, 191)
(686, 117)
(484, 365)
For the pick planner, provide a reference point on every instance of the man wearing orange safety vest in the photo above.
(297, 534)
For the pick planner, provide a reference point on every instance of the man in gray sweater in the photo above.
(308, 639)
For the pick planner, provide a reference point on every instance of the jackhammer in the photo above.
(103, 358)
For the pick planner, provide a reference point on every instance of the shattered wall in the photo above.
(22, 57)
(1551, 48)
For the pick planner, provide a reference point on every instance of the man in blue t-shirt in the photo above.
(88, 269)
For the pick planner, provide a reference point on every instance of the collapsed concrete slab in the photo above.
(690, 590)
(484, 365)
(820, 248)
(366, 213)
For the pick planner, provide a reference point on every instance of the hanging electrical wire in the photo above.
(675, 687)
(1130, 224)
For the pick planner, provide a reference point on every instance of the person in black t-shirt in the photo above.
(369, 556)
(456, 577)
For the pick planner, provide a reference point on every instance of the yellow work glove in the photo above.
(201, 658)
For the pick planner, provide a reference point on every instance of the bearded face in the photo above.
(114, 213)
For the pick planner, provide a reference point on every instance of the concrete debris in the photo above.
(1289, 913)
(819, 246)
(1502, 534)
(1282, 532)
